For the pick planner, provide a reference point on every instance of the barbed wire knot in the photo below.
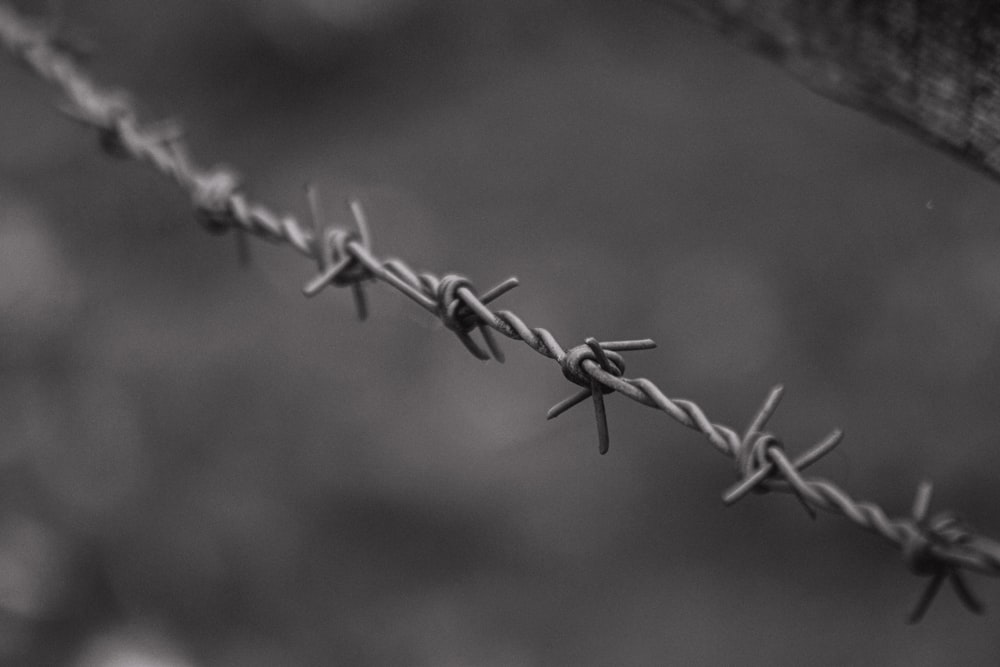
(108, 114)
(754, 465)
(461, 310)
(944, 529)
(761, 462)
(211, 194)
(574, 369)
(337, 265)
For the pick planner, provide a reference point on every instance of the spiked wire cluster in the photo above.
(938, 546)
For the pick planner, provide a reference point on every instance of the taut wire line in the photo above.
(938, 546)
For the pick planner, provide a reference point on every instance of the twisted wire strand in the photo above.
(939, 546)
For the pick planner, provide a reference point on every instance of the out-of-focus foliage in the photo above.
(199, 467)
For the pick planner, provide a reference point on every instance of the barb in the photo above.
(939, 547)
(610, 361)
(944, 528)
(337, 266)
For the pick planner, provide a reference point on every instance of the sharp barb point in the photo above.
(744, 486)
(922, 501)
(603, 438)
(567, 403)
(360, 302)
(926, 598)
(821, 449)
(965, 594)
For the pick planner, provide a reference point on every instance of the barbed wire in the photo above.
(938, 546)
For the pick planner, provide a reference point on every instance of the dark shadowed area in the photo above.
(200, 467)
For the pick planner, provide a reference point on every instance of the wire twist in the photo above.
(938, 547)
(337, 266)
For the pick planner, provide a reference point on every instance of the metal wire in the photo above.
(938, 546)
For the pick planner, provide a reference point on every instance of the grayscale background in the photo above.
(199, 467)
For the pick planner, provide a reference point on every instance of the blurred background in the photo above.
(199, 467)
